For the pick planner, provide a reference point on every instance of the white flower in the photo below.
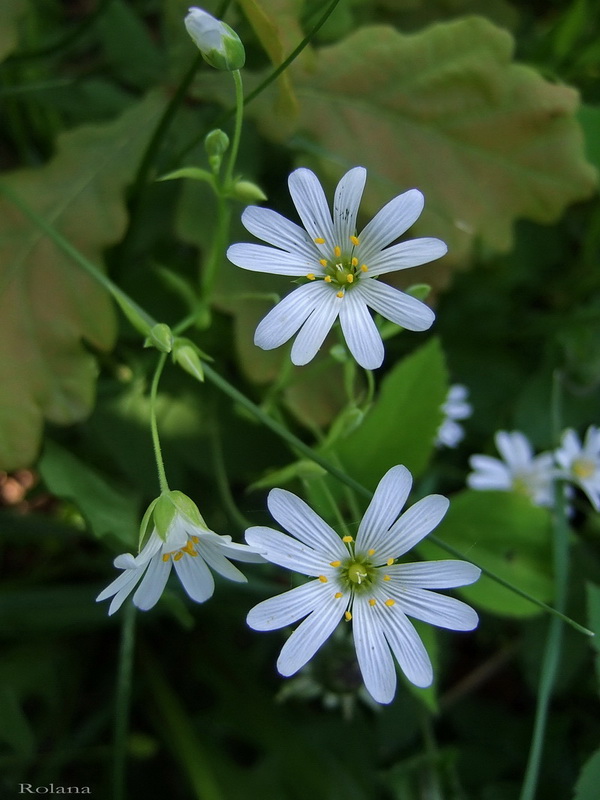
(219, 44)
(362, 581)
(520, 471)
(192, 549)
(581, 463)
(341, 265)
(455, 407)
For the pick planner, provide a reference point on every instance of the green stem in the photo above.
(237, 130)
(160, 466)
(123, 700)
(221, 476)
(554, 639)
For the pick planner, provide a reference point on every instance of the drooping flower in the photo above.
(519, 470)
(456, 407)
(341, 265)
(219, 44)
(581, 463)
(188, 545)
(361, 580)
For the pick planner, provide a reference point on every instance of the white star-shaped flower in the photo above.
(519, 471)
(455, 407)
(581, 463)
(361, 580)
(191, 549)
(341, 265)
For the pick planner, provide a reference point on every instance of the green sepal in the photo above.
(419, 290)
(187, 508)
(247, 192)
(304, 470)
(187, 355)
(164, 514)
(147, 523)
(346, 422)
(160, 337)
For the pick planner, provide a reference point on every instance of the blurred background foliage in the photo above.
(492, 109)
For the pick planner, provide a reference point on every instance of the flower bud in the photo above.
(247, 192)
(219, 44)
(161, 338)
(216, 142)
(185, 353)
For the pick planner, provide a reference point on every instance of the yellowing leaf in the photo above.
(48, 305)
(446, 110)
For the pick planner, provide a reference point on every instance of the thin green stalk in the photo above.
(554, 639)
(237, 130)
(335, 508)
(223, 385)
(221, 478)
(123, 701)
(160, 466)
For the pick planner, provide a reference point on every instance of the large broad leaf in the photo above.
(446, 110)
(401, 426)
(48, 305)
(505, 533)
(589, 779)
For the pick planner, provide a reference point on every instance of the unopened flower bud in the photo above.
(186, 354)
(160, 337)
(219, 44)
(247, 192)
(216, 142)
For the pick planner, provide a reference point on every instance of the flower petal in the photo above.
(413, 525)
(310, 635)
(395, 305)
(345, 205)
(282, 322)
(317, 326)
(241, 552)
(435, 574)
(195, 578)
(153, 584)
(259, 258)
(407, 254)
(490, 473)
(287, 552)
(212, 553)
(287, 608)
(514, 448)
(301, 521)
(311, 204)
(406, 646)
(390, 222)
(387, 503)
(436, 609)
(372, 651)
(361, 334)
(275, 229)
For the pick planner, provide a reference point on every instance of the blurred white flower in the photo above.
(519, 471)
(341, 265)
(219, 44)
(456, 407)
(581, 463)
(361, 581)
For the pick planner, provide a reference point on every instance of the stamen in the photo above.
(337, 251)
(339, 294)
(327, 278)
(389, 562)
(319, 240)
(386, 578)
(348, 616)
(323, 579)
(166, 557)
(337, 595)
(350, 278)
(311, 276)
(178, 556)
(347, 539)
(189, 548)
(372, 602)
(371, 552)
(355, 240)
(323, 262)
(364, 268)
(335, 563)
(355, 262)
(389, 603)
(195, 539)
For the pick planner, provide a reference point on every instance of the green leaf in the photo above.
(487, 140)
(593, 603)
(505, 533)
(400, 428)
(109, 510)
(589, 779)
(10, 12)
(49, 305)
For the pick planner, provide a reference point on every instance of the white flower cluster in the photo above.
(519, 470)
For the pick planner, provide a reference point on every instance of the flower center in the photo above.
(187, 548)
(342, 268)
(522, 485)
(583, 468)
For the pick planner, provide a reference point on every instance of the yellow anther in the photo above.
(337, 595)
(355, 262)
(166, 557)
(178, 556)
(371, 552)
(323, 579)
(348, 616)
(337, 251)
(319, 240)
(323, 262)
(335, 563)
(583, 468)
(347, 539)
(339, 294)
(372, 601)
(364, 268)
(189, 548)
(390, 603)
(327, 278)
(311, 276)
(355, 240)
(386, 578)
(389, 562)
(350, 278)
(195, 539)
